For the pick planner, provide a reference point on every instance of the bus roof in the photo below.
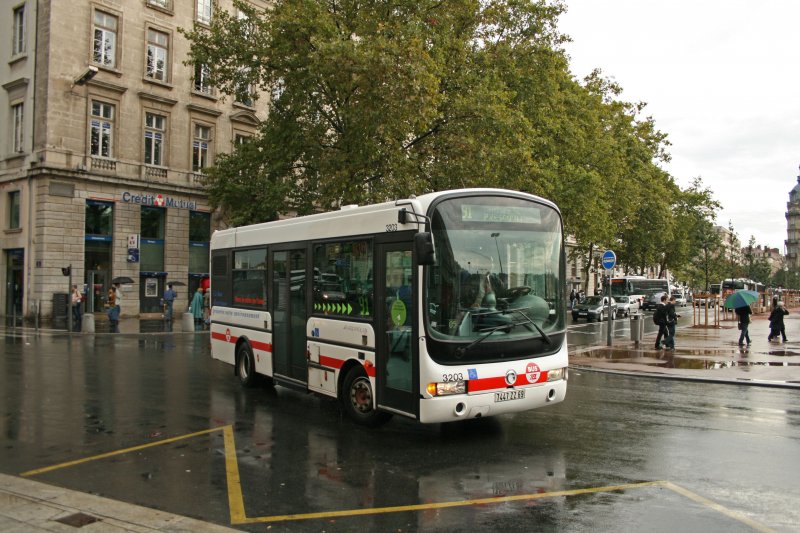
(348, 220)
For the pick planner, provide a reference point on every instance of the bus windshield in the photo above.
(499, 271)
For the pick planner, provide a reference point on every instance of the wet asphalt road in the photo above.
(683, 456)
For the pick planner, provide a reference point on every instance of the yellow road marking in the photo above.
(716, 507)
(238, 515)
(235, 499)
(38, 471)
(444, 505)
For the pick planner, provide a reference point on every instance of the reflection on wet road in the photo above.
(151, 419)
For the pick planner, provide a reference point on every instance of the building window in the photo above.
(18, 46)
(18, 125)
(201, 79)
(13, 210)
(199, 238)
(151, 255)
(157, 55)
(239, 139)
(102, 129)
(204, 11)
(105, 39)
(200, 147)
(154, 130)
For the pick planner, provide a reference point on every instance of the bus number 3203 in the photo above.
(452, 377)
(391, 227)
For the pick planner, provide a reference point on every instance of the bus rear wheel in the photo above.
(357, 398)
(246, 366)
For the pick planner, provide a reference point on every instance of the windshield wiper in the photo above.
(461, 350)
(531, 322)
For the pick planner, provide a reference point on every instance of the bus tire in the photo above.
(246, 366)
(357, 399)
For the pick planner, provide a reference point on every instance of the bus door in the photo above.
(396, 356)
(289, 289)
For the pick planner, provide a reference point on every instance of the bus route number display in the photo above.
(507, 214)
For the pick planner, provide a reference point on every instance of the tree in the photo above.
(371, 101)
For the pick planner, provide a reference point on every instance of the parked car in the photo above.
(680, 299)
(594, 308)
(651, 301)
(626, 305)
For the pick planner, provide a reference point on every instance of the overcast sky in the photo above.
(721, 79)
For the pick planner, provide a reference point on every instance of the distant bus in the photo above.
(638, 287)
(731, 285)
(441, 307)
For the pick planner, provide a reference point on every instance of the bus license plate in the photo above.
(509, 395)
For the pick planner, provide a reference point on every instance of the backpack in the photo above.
(658, 316)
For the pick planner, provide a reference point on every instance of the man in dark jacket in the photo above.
(660, 318)
(776, 326)
(744, 322)
(671, 322)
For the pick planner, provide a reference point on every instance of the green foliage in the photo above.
(370, 101)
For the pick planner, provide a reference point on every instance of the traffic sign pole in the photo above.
(609, 261)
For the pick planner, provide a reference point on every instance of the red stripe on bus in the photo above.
(257, 345)
(223, 337)
(263, 346)
(337, 364)
(484, 384)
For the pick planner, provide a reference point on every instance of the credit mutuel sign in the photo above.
(157, 200)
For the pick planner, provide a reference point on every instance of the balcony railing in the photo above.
(109, 165)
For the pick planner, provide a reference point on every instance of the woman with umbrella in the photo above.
(740, 302)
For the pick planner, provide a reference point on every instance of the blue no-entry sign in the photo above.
(609, 259)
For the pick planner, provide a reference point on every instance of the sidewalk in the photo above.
(33, 507)
(708, 354)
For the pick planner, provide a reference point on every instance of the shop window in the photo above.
(343, 279)
(199, 237)
(151, 254)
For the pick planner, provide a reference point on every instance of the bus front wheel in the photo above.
(357, 399)
(246, 365)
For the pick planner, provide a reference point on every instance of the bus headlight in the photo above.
(444, 389)
(557, 374)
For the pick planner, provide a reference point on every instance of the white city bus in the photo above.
(638, 288)
(441, 307)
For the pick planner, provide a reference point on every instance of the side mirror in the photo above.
(423, 249)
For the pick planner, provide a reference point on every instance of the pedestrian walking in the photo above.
(206, 307)
(169, 300)
(776, 326)
(743, 314)
(660, 319)
(113, 310)
(196, 308)
(572, 297)
(77, 299)
(671, 323)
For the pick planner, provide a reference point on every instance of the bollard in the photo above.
(187, 322)
(87, 324)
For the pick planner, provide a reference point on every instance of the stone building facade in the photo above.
(793, 228)
(106, 136)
